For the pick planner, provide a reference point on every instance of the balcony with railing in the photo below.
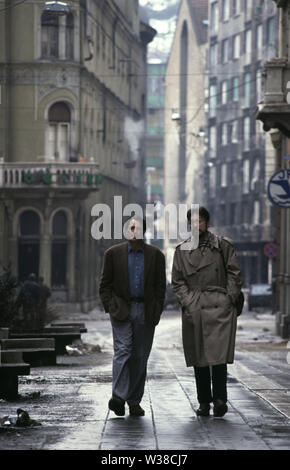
(53, 175)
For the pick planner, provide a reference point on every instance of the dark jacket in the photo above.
(114, 283)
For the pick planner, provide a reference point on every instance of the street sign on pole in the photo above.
(271, 250)
(279, 188)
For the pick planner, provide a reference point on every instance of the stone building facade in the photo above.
(242, 35)
(73, 99)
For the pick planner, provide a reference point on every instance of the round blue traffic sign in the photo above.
(279, 188)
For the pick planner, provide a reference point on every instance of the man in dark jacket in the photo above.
(132, 290)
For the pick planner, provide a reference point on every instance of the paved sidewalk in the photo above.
(73, 397)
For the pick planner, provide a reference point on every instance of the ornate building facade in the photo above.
(73, 99)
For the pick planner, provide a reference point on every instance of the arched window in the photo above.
(59, 118)
(49, 35)
(28, 244)
(59, 250)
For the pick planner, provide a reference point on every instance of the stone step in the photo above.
(62, 339)
(80, 326)
(11, 357)
(4, 333)
(35, 351)
(26, 343)
(62, 329)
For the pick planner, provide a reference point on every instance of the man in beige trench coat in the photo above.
(209, 318)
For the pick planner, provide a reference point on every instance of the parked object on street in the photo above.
(260, 296)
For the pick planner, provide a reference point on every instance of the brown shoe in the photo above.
(203, 409)
(117, 405)
(136, 410)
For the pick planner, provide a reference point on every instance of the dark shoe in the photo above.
(220, 408)
(203, 409)
(117, 405)
(136, 410)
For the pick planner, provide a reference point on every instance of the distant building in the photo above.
(154, 143)
(185, 119)
(242, 35)
(72, 112)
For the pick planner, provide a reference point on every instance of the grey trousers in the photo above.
(132, 345)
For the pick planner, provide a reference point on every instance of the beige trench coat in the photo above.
(209, 318)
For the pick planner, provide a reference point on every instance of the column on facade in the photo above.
(45, 252)
(70, 276)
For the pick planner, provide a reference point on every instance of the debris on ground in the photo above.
(79, 348)
(21, 419)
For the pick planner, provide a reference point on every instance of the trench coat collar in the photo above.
(204, 261)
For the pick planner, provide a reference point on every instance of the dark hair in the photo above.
(203, 212)
(32, 277)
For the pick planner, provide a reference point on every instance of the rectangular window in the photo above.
(271, 31)
(247, 89)
(224, 92)
(212, 181)
(224, 134)
(225, 51)
(247, 129)
(224, 175)
(222, 215)
(236, 88)
(214, 17)
(49, 36)
(259, 41)
(246, 176)
(248, 46)
(236, 46)
(259, 85)
(256, 213)
(233, 213)
(236, 7)
(212, 100)
(225, 10)
(212, 142)
(235, 133)
(213, 56)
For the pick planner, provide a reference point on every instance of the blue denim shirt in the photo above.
(136, 271)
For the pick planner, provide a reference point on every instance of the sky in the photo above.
(162, 15)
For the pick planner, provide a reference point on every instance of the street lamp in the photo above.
(56, 7)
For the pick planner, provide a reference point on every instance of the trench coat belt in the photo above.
(212, 288)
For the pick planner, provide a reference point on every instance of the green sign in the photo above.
(63, 178)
